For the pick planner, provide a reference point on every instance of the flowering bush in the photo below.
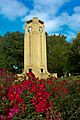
(27, 98)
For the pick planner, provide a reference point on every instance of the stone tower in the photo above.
(35, 55)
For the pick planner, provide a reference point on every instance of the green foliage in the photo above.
(69, 107)
(58, 49)
(63, 57)
(74, 56)
(11, 51)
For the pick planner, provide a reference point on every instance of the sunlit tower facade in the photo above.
(35, 55)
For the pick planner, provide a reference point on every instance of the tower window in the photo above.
(41, 70)
(30, 29)
(30, 70)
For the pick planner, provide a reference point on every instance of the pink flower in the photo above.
(3, 98)
(2, 117)
(57, 118)
(10, 115)
(13, 110)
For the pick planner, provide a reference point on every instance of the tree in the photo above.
(57, 48)
(74, 57)
(12, 51)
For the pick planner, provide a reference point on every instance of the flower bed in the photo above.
(27, 98)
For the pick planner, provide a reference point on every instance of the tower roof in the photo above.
(35, 19)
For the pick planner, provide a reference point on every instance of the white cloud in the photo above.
(53, 25)
(77, 9)
(46, 11)
(49, 6)
(74, 21)
(12, 9)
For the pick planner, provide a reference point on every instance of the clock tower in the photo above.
(35, 55)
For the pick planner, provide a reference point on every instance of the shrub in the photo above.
(27, 98)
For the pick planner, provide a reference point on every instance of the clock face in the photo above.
(40, 29)
(30, 29)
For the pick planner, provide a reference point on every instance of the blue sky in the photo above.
(60, 16)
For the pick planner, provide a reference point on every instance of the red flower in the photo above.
(31, 75)
(42, 81)
(6, 110)
(42, 87)
(14, 93)
(46, 95)
(49, 82)
(25, 84)
(42, 106)
(65, 90)
(34, 101)
(39, 93)
(55, 89)
(33, 88)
